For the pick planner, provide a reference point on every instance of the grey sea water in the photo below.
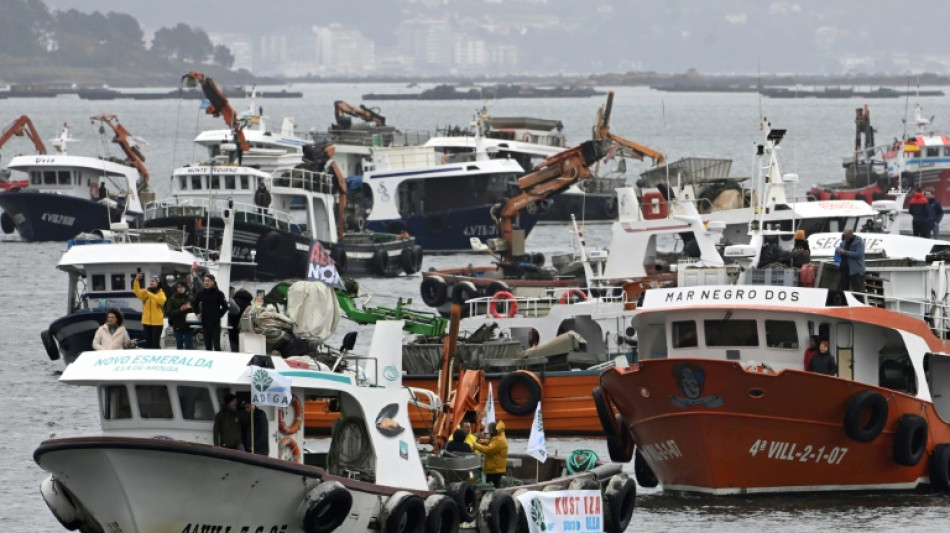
(32, 291)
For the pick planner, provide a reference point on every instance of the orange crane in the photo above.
(125, 141)
(220, 107)
(343, 111)
(20, 127)
(627, 148)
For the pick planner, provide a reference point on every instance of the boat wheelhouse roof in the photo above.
(26, 163)
(81, 256)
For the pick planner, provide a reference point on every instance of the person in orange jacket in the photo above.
(153, 305)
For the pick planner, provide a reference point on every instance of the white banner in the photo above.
(268, 387)
(574, 511)
(489, 415)
(537, 445)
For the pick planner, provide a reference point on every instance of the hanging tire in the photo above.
(434, 291)
(463, 292)
(620, 499)
(380, 262)
(325, 507)
(620, 447)
(404, 512)
(910, 440)
(466, 498)
(442, 514)
(407, 261)
(339, 258)
(496, 287)
(604, 412)
(271, 242)
(517, 378)
(6, 223)
(865, 416)
(497, 512)
(522, 518)
(61, 504)
(644, 474)
(940, 468)
(50, 345)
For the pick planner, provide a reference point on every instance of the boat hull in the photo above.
(42, 216)
(450, 231)
(715, 427)
(73, 333)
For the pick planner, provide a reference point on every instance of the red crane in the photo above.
(220, 107)
(125, 141)
(20, 127)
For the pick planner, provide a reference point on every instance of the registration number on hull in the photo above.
(793, 451)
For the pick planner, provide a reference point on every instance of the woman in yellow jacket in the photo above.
(153, 303)
(496, 453)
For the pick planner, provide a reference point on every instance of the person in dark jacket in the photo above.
(240, 301)
(260, 444)
(919, 210)
(823, 362)
(227, 430)
(801, 252)
(177, 308)
(210, 304)
(262, 198)
(458, 444)
(852, 268)
(813, 343)
(936, 213)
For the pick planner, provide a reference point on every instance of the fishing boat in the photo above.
(157, 416)
(69, 194)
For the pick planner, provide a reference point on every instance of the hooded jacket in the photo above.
(496, 451)
(919, 208)
(153, 304)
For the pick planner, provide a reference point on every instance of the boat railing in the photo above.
(540, 306)
(304, 179)
(375, 137)
(198, 207)
(935, 314)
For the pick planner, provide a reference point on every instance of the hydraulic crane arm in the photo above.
(628, 148)
(343, 111)
(341, 186)
(20, 127)
(220, 107)
(125, 141)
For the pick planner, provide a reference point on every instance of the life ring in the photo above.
(49, 345)
(380, 262)
(940, 468)
(7, 223)
(910, 440)
(61, 504)
(497, 512)
(338, 255)
(271, 242)
(325, 507)
(517, 378)
(403, 509)
(654, 206)
(526, 137)
(569, 295)
(298, 418)
(503, 296)
(495, 287)
(407, 260)
(442, 514)
(620, 499)
(288, 444)
(434, 290)
(466, 498)
(855, 416)
(463, 292)
(644, 474)
(760, 368)
(93, 190)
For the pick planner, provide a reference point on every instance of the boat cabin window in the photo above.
(118, 282)
(196, 183)
(781, 334)
(215, 182)
(933, 151)
(49, 177)
(154, 401)
(684, 334)
(229, 182)
(195, 403)
(64, 177)
(183, 183)
(731, 332)
(36, 178)
(946, 150)
(114, 402)
(244, 183)
(98, 282)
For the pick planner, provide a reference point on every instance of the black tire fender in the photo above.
(417, 255)
(7, 223)
(61, 504)
(463, 292)
(325, 507)
(434, 291)
(524, 378)
(645, 476)
(407, 261)
(497, 512)
(910, 440)
(380, 262)
(522, 519)
(620, 499)
(442, 514)
(50, 345)
(940, 468)
(466, 498)
(338, 254)
(271, 242)
(403, 512)
(495, 287)
(854, 416)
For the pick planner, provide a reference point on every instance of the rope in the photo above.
(581, 460)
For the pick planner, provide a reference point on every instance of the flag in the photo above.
(537, 446)
(205, 104)
(268, 387)
(489, 415)
(322, 268)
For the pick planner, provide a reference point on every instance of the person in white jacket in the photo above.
(112, 335)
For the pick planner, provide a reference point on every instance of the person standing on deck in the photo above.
(496, 453)
(851, 251)
(262, 199)
(919, 210)
(823, 362)
(153, 309)
(176, 309)
(210, 305)
(936, 213)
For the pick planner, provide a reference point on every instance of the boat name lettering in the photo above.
(221, 528)
(662, 451)
(45, 160)
(793, 451)
(480, 230)
(732, 294)
(165, 363)
(241, 252)
(56, 218)
(830, 243)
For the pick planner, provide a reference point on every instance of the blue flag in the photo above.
(205, 104)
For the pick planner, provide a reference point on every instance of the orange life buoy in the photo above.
(290, 444)
(654, 206)
(93, 190)
(506, 297)
(298, 418)
(566, 296)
